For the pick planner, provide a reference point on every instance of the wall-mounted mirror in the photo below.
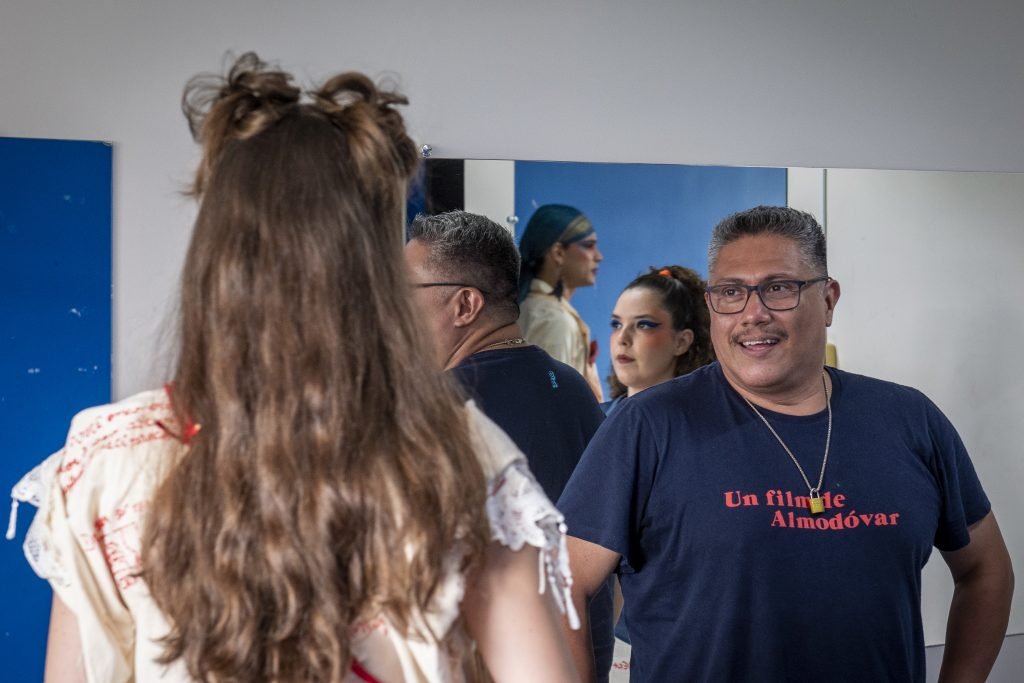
(928, 263)
(644, 214)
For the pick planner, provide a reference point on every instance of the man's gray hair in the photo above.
(798, 226)
(473, 249)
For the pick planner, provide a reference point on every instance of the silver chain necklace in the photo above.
(816, 503)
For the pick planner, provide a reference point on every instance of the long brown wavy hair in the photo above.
(333, 474)
(681, 291)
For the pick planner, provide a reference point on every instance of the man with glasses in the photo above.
(464, 270)
(768, 517)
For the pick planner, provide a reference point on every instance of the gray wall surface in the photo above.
(876, 84)
(1008, 667)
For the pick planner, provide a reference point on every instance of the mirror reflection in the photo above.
(643, 215)
(924, 260)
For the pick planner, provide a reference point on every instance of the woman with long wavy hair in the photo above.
(307, 499)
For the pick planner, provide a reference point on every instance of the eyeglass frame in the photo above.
(759, 288)
(423, 285)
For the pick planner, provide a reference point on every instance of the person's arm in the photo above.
(64, 663)
(590, 565)
(980, 610)
(516, 627)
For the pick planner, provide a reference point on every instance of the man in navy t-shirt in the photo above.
(465, 269)
(769, 518)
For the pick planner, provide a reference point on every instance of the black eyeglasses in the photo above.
(421, 285)
(776, 295)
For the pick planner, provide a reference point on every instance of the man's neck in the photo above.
(479, 339)
(807, 399)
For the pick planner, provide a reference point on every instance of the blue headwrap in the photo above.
(549, 224)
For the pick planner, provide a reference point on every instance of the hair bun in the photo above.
(243, 101)
(220, 109)
(252, 96)
(374, 128)
(353, 88)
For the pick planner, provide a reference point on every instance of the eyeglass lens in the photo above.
(779, 295)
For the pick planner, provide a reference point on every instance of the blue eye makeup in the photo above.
(647, 324)
(616, 324)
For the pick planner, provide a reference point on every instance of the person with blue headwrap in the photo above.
(559, 254)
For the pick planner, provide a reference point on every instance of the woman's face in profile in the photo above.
(582, 258)
(643, 344)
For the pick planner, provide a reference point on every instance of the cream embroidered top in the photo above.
(92, 497)
(553, 324)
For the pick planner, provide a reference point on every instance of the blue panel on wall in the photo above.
(645, 215)
(55, 336)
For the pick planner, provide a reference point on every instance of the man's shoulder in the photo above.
(526, 359)
(694, 385)
(566, 374)
(530, 370)
(866, 388)
(689, 399)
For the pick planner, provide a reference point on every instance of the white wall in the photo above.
(490, 190)
(805, 191)
(933, 263)
(911, 84)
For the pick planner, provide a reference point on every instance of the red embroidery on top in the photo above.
(362, 629)
(123, 428)
(117, 538)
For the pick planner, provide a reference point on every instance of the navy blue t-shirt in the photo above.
(545, 406)
(726, 576)
(550, 412)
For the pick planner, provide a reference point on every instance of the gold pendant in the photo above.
(817, 504)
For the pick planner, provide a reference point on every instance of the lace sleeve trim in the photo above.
(33, 488)
(520, 513)
(28, 490)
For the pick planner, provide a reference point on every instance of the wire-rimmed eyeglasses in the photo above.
(776, 295)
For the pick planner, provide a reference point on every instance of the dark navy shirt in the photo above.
(726, 576)
(544, 405)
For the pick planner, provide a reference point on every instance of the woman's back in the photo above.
(95, 494)
(308, 474)
(321, 430)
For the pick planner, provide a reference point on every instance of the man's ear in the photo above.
(831, 299)
(468, 304)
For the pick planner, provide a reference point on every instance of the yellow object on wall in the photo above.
(831, 359)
